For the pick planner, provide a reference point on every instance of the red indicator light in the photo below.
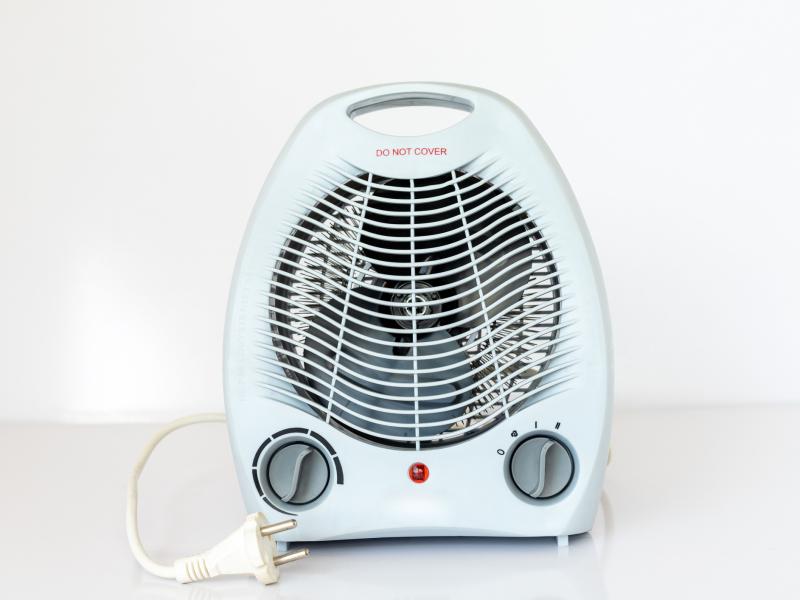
(418, 472)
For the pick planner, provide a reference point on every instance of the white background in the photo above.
(134, 138)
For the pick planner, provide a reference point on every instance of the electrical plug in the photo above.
(250, 550)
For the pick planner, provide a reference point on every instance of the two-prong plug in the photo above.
(250, 550)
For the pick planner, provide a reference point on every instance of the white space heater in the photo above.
(417, 340)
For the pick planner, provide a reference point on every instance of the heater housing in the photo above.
(417, 340)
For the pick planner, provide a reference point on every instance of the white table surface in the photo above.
(699, 503)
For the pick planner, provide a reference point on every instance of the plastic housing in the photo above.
(468, 491)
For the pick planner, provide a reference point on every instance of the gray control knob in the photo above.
(298, 473)
(541, 467)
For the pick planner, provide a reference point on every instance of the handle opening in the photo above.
(410, 113)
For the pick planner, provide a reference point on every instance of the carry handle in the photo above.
(473, 101)
(410, 98)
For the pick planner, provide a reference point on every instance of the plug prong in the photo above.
(288, 557)
(278, 527)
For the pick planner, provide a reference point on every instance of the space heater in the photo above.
(417, 340)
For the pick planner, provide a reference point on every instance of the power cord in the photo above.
(249, 550)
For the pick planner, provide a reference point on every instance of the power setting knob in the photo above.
(541, 467)
(298, 473)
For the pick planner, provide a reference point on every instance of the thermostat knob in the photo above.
(541, 467)
(298, 473)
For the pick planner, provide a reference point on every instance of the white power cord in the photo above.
(249, 550)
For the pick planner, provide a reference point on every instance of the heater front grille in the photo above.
(414, 312)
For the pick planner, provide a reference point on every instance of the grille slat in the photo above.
(484, 379)
(505, 349)
(311, 298)
(467, 345)
(495, 191)
(315, 213)
(467, 226)
(348, 291)
(328, 285)
(347, 179)
(455, 433)
(485, 398)
(415, 312)
(489, 242)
